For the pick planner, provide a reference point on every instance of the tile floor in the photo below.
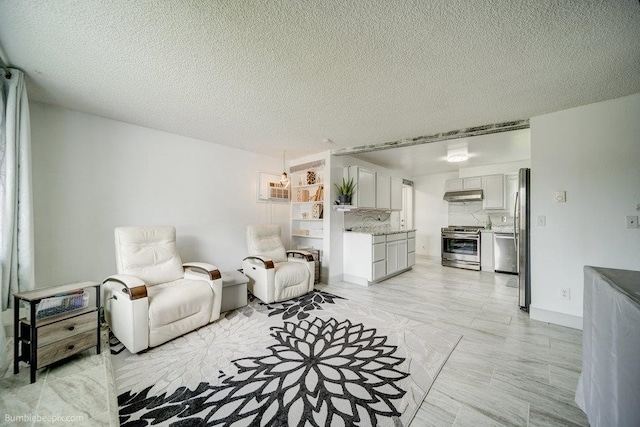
(507, 370)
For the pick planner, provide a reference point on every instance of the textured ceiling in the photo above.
(285, 75)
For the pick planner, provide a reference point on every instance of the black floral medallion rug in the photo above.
(317, 360)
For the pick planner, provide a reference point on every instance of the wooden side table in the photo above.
(41, 342)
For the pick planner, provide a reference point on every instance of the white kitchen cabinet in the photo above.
(457, 184)
(396, 252)
(411, 248)
(364, 195)
(383, 191)
(486, 250)
(368, 258)
(493, 188)
(402, 255)
(392, 257)
(396, 193)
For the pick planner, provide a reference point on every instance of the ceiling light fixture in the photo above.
(284, 178)
(457, 154)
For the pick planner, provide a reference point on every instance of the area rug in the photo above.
(317, 360)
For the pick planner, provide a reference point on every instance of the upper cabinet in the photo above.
(493, 188)
(473, 183)
(396, 193)
(364, 195)
(383, 191)
(375, 190)
(511, 188)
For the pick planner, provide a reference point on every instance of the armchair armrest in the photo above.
(203, 267)
(267, 262)
(133, 286)
(304, 254)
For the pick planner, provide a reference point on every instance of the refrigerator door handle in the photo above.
(515, 222)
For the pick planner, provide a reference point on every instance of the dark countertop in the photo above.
(626, 281)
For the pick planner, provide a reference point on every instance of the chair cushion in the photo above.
(149, 253)
(290, 274)
(173, 301)
(265, 240)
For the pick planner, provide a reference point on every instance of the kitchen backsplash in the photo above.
(369, 220)
(471, 213)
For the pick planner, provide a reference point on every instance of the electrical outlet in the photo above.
(541, 221)
(632, 221)
(565, 293)
(504, 219)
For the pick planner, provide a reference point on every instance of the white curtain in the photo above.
(16, 214)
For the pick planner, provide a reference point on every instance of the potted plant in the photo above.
(345, 191)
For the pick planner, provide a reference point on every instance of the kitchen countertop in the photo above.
(374, 232)
(500, 229)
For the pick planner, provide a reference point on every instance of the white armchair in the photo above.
(155, 297)
(276, 274)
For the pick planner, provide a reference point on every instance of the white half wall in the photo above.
(593, 153)
(93, 174)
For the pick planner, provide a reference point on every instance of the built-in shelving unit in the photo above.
(307, 206)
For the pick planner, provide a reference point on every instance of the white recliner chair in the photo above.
(276, 274)
(155, 297)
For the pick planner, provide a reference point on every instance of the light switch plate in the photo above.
(632, 221)
(560, 196)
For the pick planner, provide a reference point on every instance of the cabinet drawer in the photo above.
(379, 239)
(411, 234)
(379, 252)
(397, 236)
(67, 328)
(66, 347)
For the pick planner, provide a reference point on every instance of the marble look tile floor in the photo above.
(507, 370)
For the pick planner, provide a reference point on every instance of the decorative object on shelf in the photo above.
(304, 215)
(345, 191)
(302, 195)
(311, 177)
(318, 196)
(317, 211)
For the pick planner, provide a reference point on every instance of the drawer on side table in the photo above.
(62, 338)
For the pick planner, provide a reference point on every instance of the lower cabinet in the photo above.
(411, 248)
(379, 260)
(372, 258)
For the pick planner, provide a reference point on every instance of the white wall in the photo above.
(593, 153)
(92, 174)
(431, 211)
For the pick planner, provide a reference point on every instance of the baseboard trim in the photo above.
(362, 281)
(555, 317)
(335, 279)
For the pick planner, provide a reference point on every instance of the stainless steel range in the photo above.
(461, 247)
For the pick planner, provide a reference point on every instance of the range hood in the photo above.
(463, 196)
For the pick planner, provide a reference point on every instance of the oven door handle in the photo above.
(460, 236)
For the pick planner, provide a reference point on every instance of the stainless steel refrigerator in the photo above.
(521, 227)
